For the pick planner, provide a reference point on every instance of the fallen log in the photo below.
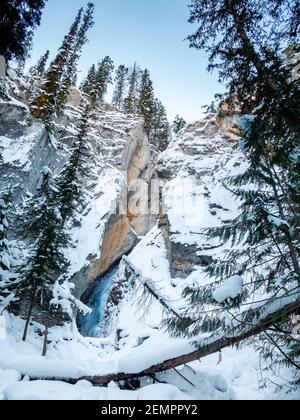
(215, 347)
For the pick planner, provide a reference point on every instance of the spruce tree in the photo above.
(60, 76)
(69, 182)
(160, 131)
(44, 105)
(178, 124)
(44, 224)
(132, 100)
(69, 77)
(103, 78)
(37, 74)
(146, 101)
(261, 267)
(18, 19)
(120, 87)
(87, 86)
(245, 50)
(38, 71)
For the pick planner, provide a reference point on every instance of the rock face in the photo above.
(228, 116)
(184, 258)
(190, 169)
(175, 254)
(122, 164)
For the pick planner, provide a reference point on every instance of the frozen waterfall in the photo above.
(91, 324)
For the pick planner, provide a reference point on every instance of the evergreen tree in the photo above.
(103, 78)
(18, 19)
(160, 130)
(210, 109)
(121, 84)
(146, 101)
(38, 71)
(132, 100)
(44, 106)
(178, 124)
(59, 78)
(4, 257)
(264, 246)
(69, 77)
(44, 224)
(37, 74)
(87, 86)
(243, 49)
(69, 182)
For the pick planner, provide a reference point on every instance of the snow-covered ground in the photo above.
(234, 375)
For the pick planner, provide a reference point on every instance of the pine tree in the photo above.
(243, 49)
(132, 100)
(261, 266)
(103, 78)
(60, 76)
(210, 109)
(71, 198)
(146, 101)
(160, 130)
(178, 124)
(121, 84)
(18, 19)
(88, 84)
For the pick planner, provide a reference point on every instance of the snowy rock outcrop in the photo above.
(195, 167)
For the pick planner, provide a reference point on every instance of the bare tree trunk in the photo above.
(29, 315)
(45, 341)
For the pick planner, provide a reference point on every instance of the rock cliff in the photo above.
(122, 169)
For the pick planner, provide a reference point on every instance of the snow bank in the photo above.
(58, 391)
(157, 349)
(7, 378)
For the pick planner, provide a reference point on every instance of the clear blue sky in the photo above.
(151, 32)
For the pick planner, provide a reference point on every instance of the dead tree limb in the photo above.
(205, 350)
